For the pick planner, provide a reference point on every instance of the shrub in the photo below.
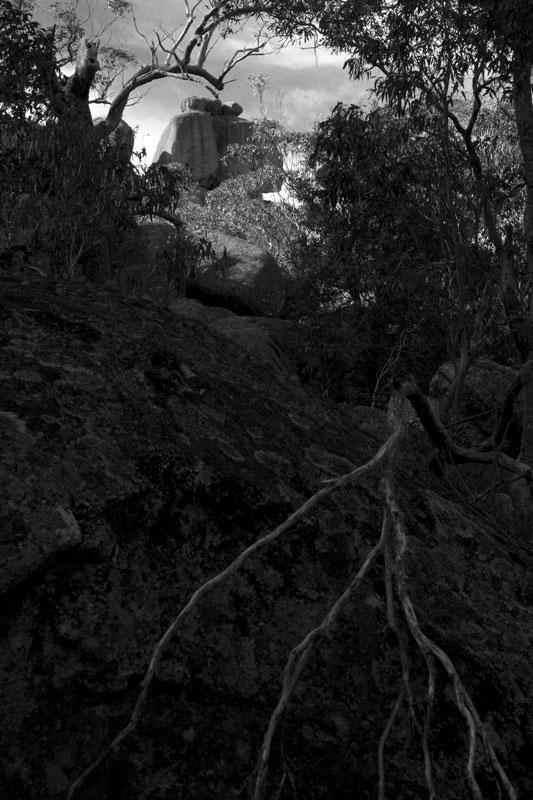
(237, 208)
(68, 199)
(374, 264)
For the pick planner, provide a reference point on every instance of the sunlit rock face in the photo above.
(199, 137)
(189, 140)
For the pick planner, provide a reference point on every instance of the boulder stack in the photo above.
(199, 137)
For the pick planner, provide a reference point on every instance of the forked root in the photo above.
(298, 658)
(431, 652)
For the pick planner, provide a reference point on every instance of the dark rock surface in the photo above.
(485, 388)
(242, 277)
(141, 451)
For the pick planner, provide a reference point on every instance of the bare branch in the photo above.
(171, 53)
(241, 55)
(148, 74)
(205, 24)
(204, 48)
(185, 30)
(141, 34)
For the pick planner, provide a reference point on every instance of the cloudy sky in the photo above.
(303, 84)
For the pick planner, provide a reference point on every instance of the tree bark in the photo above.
(523, 106)
(79, 84)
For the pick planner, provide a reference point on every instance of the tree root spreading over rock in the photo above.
(392, 545)
(230, 570)
(431, 651)
(298, 659)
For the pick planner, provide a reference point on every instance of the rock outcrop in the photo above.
(142, 450)
(122, 138)
(189, 140)
(198, 138)
(243, 278)
(149, 262)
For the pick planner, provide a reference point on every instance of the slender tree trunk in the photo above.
(460, 334)
(504, 250)
(523, 107)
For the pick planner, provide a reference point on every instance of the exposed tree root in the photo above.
(429, 649)
(430, 699)
(384, 736)
(392, 621)
(298, 658)
(230, 570)
(392, 544)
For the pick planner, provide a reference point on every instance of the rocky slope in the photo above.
(142, 450)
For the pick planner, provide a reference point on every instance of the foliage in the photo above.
(236, 207)
(53, 170)
(71, 201)
(377, 264)
(443, 63)
(28, 73)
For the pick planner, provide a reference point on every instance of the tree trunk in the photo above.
(523, 107)
(77, 88)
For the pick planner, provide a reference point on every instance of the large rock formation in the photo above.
(198, 139)
(189, 140)
(141, 452)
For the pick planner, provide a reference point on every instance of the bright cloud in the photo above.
(303, 85)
